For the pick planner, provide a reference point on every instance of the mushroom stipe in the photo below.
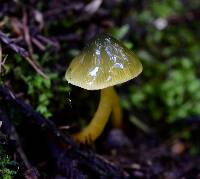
(103, 63)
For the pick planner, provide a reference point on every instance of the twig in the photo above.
(27, 36)
(48, 41)
(2, 60)
(38, 44)
(22, 52)
(139, 124)
(92, 7)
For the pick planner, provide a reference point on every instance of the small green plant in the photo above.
(37, 88)
(5, 171)
(173, 94)
(168, 89)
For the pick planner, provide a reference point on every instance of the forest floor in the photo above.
(34, 143)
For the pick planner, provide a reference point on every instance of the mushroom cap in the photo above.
(104, 62)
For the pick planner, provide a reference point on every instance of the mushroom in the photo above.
(103, 63)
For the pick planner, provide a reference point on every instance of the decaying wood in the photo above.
(9, 130)
(72, 159)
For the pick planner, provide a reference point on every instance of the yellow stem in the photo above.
(97, 124)
(116, 110)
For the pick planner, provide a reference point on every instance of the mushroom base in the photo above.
(109, 102)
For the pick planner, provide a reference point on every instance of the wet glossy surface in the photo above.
(104, 62)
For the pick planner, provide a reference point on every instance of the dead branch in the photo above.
(80, 155)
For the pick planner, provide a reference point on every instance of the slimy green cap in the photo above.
(104, 62)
